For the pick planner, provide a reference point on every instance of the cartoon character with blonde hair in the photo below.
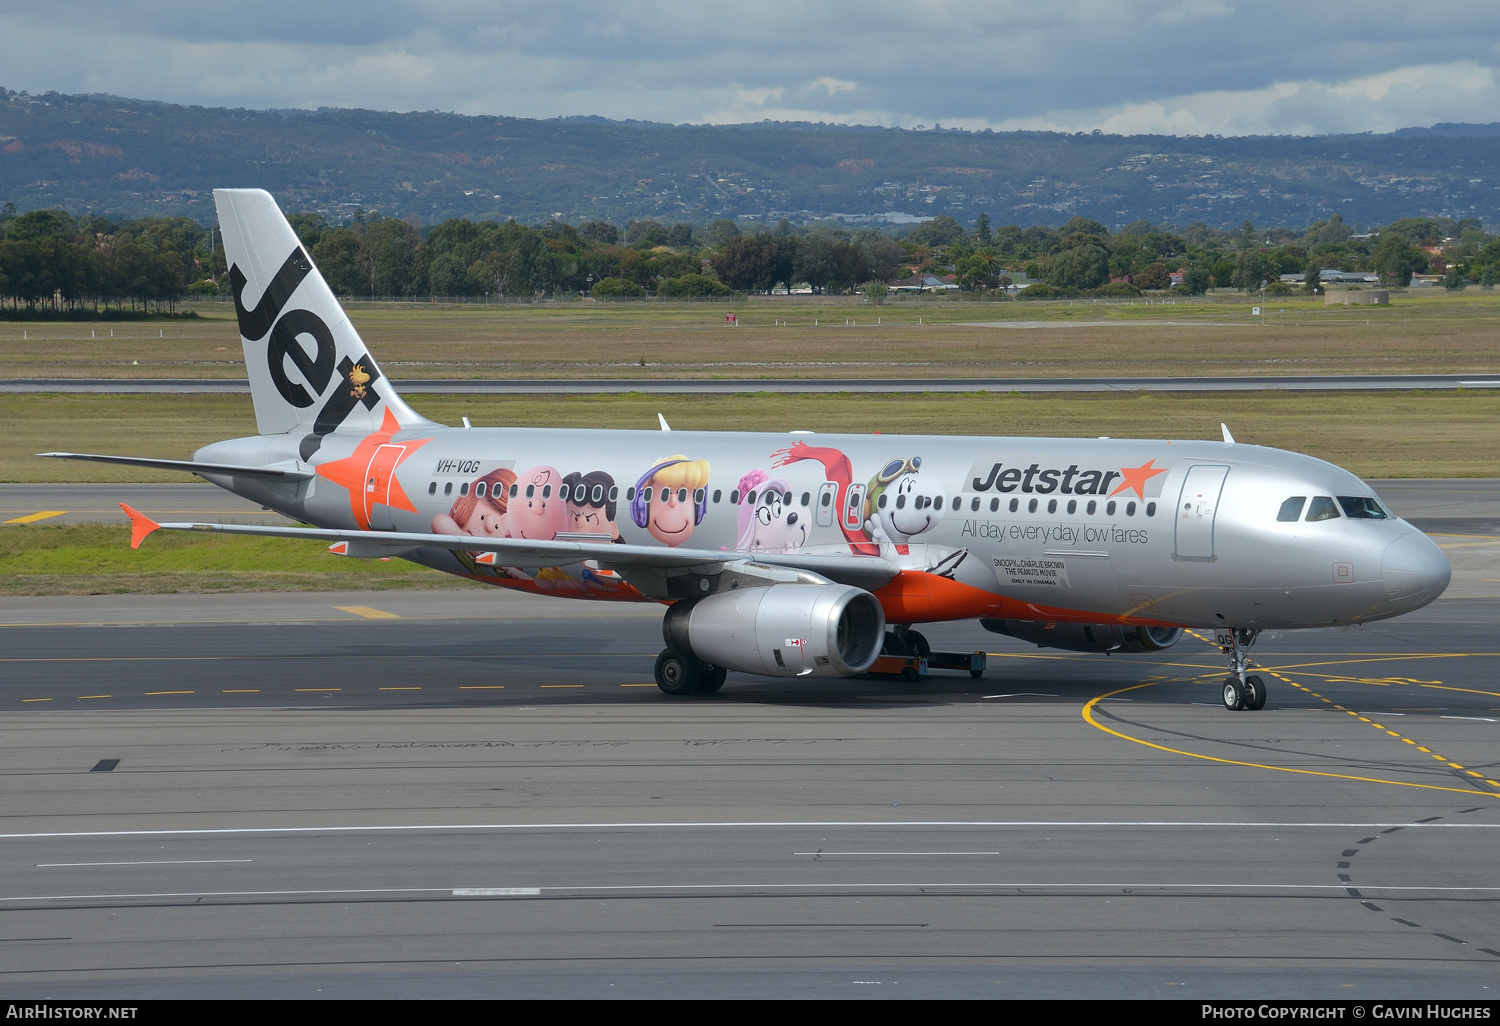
(670, 499)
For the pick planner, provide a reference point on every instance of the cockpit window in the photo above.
(1291, 509)
(1361, 507)
(1321, 508)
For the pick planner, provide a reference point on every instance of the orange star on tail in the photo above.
(1136, 477)
(351, 471)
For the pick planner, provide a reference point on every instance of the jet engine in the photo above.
(1087, 637)
(784, 630)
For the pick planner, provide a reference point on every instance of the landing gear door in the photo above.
(1196, 507)
(378, 481)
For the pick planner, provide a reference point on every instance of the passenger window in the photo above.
(1109, 510)
(1072, 506)
(530, 490)
(1291, 510)
(1031, 506)
(1321, 508)
(698, 495)
(1150, 509)
(806, 498)
(825, 500)
(463, 489)
(479, 489)
(1015, 504)
(629, 492)
(614, 492)
(900, 501)
(682, 495)
(448, 488)
(994, 505)
(881, 503)
(432, 488)
(718, 494)
(546, 491)
(645, 495)
(1361, 507)
(958, 503)
(1051, 505)
(974, 504)
(513, 489)
(1130, 509)
(563, 491)
(1091, 507)
(734, 496)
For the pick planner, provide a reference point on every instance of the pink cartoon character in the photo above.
(536, 512)
(670, 499)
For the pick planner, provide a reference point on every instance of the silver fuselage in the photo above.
(1180, 533)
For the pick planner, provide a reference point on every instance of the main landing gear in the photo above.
(1241, 690)
(678, 674)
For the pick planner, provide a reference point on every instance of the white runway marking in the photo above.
(173, 862)
(920, 886)
(752, 825)
(825, 853)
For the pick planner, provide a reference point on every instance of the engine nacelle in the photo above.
(1087, 637)
(784, 630)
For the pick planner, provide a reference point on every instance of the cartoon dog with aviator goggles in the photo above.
(901, 504)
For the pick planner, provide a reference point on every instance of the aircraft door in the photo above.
(1196, 507)
(378, 481)
(854, 508)
(827, 495)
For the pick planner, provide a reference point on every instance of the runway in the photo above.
(476, 794)
(700, 386)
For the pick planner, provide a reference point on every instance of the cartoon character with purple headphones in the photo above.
(671, 499)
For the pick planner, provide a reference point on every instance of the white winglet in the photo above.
(664, 425)
(1228, 438)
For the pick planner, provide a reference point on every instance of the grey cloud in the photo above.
(960, 62)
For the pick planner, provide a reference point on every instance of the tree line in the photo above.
(50, 260)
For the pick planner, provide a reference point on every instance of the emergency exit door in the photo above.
(1196, 508)
(378, 481)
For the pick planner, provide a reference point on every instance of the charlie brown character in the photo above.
(536, 512)
(670, 499)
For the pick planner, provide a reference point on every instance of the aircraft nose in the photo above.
(1415, 571)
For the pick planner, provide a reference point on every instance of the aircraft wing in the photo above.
(867, 572)
(191, 466)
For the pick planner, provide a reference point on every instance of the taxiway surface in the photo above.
(477, 794)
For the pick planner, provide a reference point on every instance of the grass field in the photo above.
(1382, 434)
(1428, 331)
(93, 559)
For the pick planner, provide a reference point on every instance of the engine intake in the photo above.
(1087, 637)
(785, 630)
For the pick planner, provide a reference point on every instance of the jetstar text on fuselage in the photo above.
(987, 474)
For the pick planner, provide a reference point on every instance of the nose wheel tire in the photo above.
(677, 674)
(711, 680)
(1255, 693)
(1234, 695)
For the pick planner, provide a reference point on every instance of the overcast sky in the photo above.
(1185, 67)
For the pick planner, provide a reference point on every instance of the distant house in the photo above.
(923, 283)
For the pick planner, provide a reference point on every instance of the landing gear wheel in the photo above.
(1234, 695)
(677, 674)
(916, 644)
(1255, 693)
(891, 644)
(711, 679)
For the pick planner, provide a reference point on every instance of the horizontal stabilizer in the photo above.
(140, 526)
(190, 466)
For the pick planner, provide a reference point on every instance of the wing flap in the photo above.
(862, 571)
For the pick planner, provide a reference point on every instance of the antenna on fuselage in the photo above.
(664, 425)
(1228, 438)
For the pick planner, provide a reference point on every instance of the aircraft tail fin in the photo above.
(310, 372)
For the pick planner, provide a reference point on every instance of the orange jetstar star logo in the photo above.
(1136, 477)
(369, 475)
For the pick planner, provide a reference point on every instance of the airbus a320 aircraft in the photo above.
(790, 555)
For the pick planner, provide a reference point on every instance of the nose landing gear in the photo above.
(1241, 690)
